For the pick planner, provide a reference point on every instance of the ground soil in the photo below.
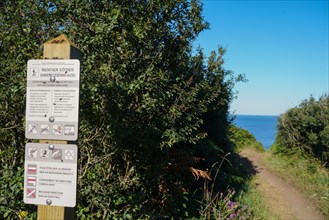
(281, 198)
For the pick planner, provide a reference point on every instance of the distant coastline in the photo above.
(263, 127)
(257, 115)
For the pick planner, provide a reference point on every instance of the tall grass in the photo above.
(221, 205)
(244, 201)
(307, 174)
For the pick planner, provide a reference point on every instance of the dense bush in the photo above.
(306, 128)
(242, 138)
(148, 102)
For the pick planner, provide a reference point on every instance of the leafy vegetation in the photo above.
(239, 175)
(305, 128)
(300, 153)
(222, 206)
(154, 114)
(242, 138)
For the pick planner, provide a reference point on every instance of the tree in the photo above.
(305, 128)
(144, 94)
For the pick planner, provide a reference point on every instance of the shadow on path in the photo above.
(238, 173)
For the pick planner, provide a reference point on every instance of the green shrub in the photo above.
(242, 138)
(305, 128)
(144, 96)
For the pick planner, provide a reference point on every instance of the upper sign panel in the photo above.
(52, 99)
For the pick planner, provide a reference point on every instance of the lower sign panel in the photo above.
(50, 176)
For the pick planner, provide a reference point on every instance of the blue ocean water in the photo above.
(263, 127)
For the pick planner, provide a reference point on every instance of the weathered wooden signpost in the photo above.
(52, 107)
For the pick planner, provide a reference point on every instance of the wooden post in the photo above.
(58, 48)
(61, 48)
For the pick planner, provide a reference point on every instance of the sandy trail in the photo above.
(281, 198)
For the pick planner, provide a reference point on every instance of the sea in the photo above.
(263, 127)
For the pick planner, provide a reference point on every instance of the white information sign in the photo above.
(50, 175)
(52, 99)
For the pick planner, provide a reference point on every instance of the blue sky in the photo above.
(281, 46)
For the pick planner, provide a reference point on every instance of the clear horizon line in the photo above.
(253, 114)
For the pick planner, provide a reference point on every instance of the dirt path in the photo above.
(281, 198)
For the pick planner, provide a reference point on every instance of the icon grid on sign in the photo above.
(44, 153)
(45, 129)
(57, 129)
(32, 181)
(33, 129)
(32, 152)
(69, 154)
(57, 154)
(69, 130)
(32, 169)
(31, 193)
